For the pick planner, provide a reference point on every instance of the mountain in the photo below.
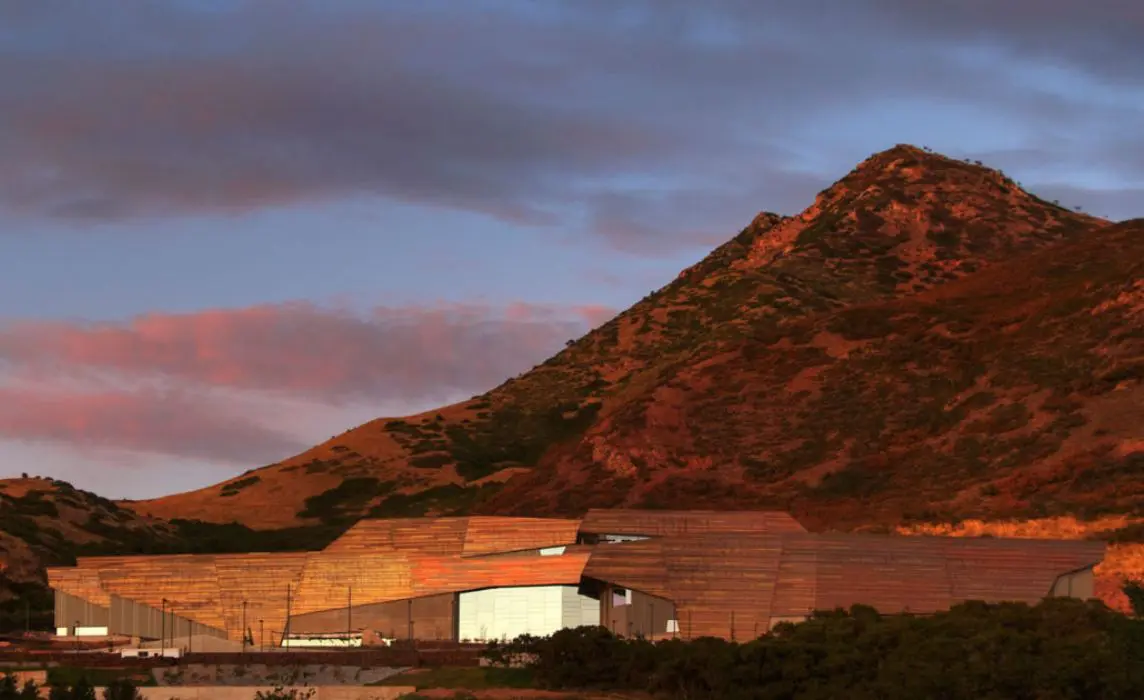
(926, 342)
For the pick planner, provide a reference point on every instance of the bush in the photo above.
(82, 690)
(1061, 648)
(9, 690)
(121, 690)
(281, 693)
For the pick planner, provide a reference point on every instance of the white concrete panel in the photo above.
(506, 613)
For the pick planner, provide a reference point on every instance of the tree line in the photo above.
(1060, 649)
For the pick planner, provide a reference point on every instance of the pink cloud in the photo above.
(412, 354)
(158, 422)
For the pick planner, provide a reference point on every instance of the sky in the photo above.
(231, 230)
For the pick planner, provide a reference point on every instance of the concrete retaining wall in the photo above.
(219, 692)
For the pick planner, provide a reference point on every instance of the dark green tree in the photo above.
(82, 690)
(8, 689)
(1135, 594)
(120, 689)
(60, 692)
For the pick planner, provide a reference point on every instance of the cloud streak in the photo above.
(576, 111)
(177, 383)
(412, 354)
(170, 423)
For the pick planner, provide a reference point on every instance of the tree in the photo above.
(1134, 591)
(8, 688)
(82, 690)
(121, 690)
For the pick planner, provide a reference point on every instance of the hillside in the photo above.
(926, 341)
(45, 522)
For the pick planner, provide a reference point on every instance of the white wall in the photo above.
(506, 613)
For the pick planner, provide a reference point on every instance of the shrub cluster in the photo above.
(80, 690)
(1059, 649)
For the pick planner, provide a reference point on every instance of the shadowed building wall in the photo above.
(72, 611)
(430, 617)
(631, 613)
(135, 619)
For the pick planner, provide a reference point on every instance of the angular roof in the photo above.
(728, 573)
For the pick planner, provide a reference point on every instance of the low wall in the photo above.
(384, 656)
(219, 692)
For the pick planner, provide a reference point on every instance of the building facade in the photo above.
(653, 573)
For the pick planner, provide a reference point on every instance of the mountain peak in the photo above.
(617, 403)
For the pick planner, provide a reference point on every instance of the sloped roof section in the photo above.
(445, 536)
(639, 565)
(486, 535)
(670, 523)
(442, 536)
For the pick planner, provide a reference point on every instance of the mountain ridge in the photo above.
(902, 222)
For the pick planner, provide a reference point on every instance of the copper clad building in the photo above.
(656, 573)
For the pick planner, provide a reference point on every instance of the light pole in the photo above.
(286, 627)
(349, 614)
(261, 635)
(243, 626)
(162, 627)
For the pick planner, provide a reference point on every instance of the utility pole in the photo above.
(162, 627)
(286, 627)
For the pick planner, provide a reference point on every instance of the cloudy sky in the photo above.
(229, 230)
